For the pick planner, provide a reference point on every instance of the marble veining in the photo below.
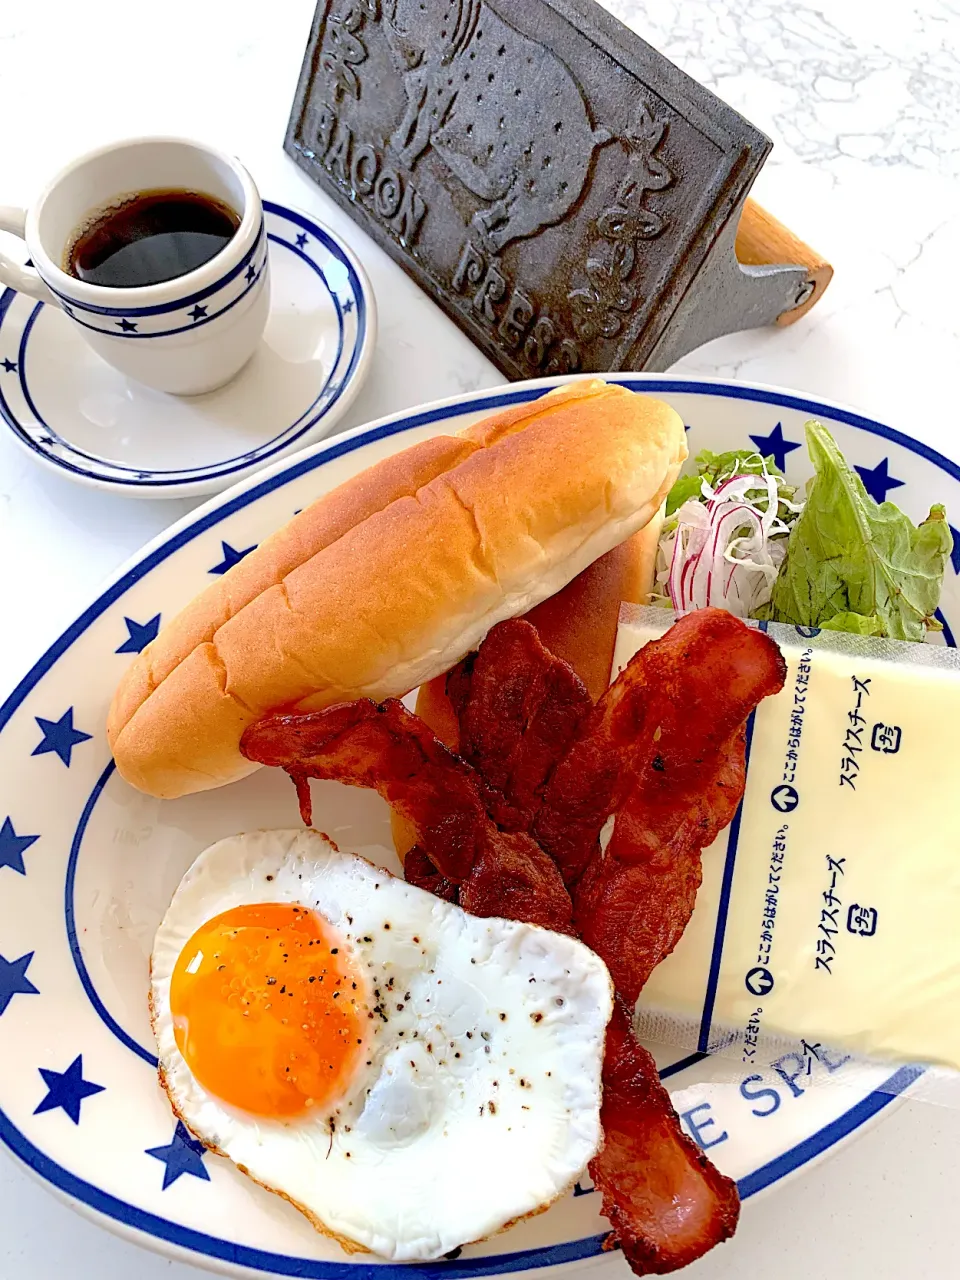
(880, 84)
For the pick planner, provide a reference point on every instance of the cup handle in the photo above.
(23, 279)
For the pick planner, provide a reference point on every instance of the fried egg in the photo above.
(413, 1078)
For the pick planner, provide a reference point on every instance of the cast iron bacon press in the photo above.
(569, 197)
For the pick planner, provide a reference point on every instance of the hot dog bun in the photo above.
(578, 624)
(390, 579)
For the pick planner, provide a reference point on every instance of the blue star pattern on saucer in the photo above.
(878, 481)
(313, 272)
(139, 634)
(183, 1155)
(14, 980)
(775, 444)
(13, 847)
(230, 557)
(67, 1089)
(59, 736)
(955, 553)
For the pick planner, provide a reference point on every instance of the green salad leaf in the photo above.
(855, 623)
(855, 565)
(715, 468)
(684, 488)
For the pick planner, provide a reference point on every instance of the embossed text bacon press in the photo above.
(567, 195)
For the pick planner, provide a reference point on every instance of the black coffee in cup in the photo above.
(150, 237)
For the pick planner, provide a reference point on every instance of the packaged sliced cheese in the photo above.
(828, 919)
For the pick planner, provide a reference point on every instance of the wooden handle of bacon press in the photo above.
(762, 241)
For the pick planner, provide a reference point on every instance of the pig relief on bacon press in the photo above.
(531, 176)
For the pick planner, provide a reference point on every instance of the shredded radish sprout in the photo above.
(725, 550)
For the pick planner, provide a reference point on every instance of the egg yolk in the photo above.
(268, 1011)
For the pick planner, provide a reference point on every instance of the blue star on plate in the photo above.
(348, 306)
(878, 481)
(333, 389)
(230, 557)
(302, 239)
(67, 1089)
(68, 310)
(250, 273)
(128, 326)
(46, 439)
(139, 634)
(955, 553)
(14, 980)
(775, 444)
(10, 366)
(183, 1155)
(13, 847)
(59, 736)
(197, 313)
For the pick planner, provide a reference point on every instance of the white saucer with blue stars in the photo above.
(88, 867)
(75, 413)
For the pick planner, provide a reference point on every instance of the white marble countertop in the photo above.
(863, 103)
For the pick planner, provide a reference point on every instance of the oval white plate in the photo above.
(75, 413)
(87, 867)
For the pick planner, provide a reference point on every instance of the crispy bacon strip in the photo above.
(666, 1202)
(387, 748)
(660, 727)
(633, 904)
(419, 870)
(514, 878)
(667, 815)
(518, 708)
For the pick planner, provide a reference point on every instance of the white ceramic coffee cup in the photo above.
(186, 335)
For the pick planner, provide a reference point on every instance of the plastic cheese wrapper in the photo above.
(827, 927)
